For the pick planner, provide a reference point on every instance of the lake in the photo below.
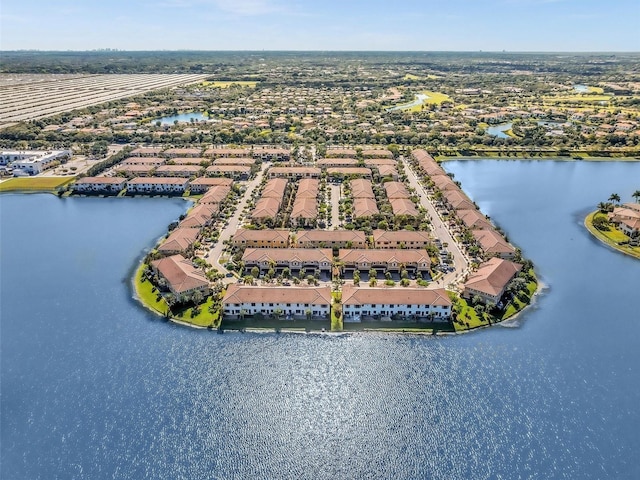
(182, 118)
(93, 386)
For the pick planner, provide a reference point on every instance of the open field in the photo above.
(33, 184)
(28, 97)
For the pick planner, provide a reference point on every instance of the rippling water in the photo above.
(92, 386)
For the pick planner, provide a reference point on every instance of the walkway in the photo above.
(441, 231)
(227, 232)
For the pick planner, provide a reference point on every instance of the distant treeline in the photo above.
(100, 62)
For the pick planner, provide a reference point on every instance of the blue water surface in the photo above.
(93, 386)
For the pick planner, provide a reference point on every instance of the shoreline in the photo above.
(601, 237)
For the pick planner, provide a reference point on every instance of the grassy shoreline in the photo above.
(34, 184)
(608, 240)
(149, 299)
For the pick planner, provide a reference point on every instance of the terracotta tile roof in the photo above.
(493, 276)
(305, 207)
(330, 236)
(101, 180)
(378, 162)
(212, 181)
(228, 169)
(387, 170)
(234, 161)
(180, 274)
(255, 255)
(273, 235)
(366, 172)
(240, 294)
(200, 215)
(190, 160)
(365, 207)
(227, 152)
(215, 194)
(178, 169)
(158, 181)
(266, 207)
(308, 187)
(444, 182)
(492, 242)
(396, 190)
(275, 188)
(179, 240)
(474, 219)
(361, 188)
(403, 206)
(330, 162)
(352, 295)
(191, 152)
(369, 255)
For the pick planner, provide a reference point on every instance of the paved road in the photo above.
(441, 231)
(335, 209)
(230, 230)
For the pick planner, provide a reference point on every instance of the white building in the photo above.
(157, 185)
(100, 184)
(33, 162)
(286, 301)
(387, 302)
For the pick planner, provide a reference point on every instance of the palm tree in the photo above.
(614, 198)
(602, 206)
(636, 195)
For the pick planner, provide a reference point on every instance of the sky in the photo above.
(422, 25)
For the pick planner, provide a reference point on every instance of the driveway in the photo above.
(441, 231)
(335, 209)
(227, 232)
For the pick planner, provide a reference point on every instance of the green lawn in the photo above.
(34, 184)
(467, 315)
(150, 300)
(336, 323)
(613, 237)
(145, 294)
(204, 319)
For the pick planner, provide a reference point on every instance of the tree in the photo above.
(248, 280)
(308, 312)
(373, 273)
(197, 297)
(373, 282)
(603, 207)
(614, 198)
(356, 278)
(255, 272)
(277, 313)
(601, 223)
(636, 195)
(286, 273)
